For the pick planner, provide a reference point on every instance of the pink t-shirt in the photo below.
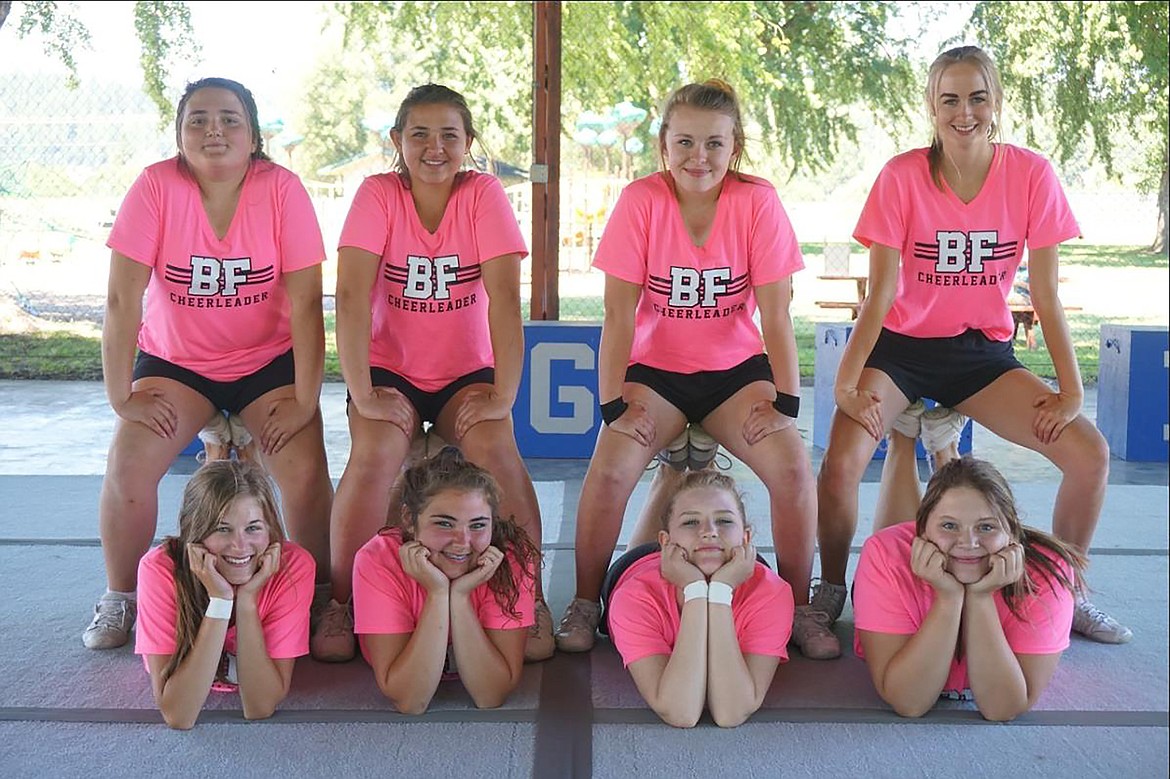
(217, 306)
(644, 614)
(889, 598)
(387, 601)
(428, 306)
(958, 260)
(695, 311)
(283, 605)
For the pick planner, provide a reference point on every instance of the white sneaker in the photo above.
(941, 428)
(676, 452)
(701, 448)
(1096, 625)
(909, 422)
(113, 619)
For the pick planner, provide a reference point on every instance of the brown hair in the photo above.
(982, 60)
(450, 471)
(693, 480)
(982, 477)
(246, 100)
(206, 499)
(711, 95)
(430, 94)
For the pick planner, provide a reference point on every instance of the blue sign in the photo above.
(556, 412)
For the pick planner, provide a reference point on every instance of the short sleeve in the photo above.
(496, 231)
(882, 220)
(763, 622)
(1050, 217)
(367, 225)
(622, 251)
(877, 592)
(381, 598)
(774, 252)
(301, 244)
(288, 595)
(137, 230)
(635, 625)
(158, 611)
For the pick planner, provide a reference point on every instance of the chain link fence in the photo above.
(68, 156)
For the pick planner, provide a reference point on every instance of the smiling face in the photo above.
(432, 143)
(215, 131)
(964, 106)
(967, 529)
(707, 524)
(456, 526)
(238, 539)
(698, 148)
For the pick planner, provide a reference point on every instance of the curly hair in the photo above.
(449, 471)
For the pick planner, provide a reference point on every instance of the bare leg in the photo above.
(899, 494)
(662, 487)
(302, 474)
(362, 503)
(850, 450)
(137, 461)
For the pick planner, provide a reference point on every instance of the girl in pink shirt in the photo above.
(226, 247)
(225, 604)
(688, 254)
(946, 228)
(701, 623)
(447, 590)
(428, 331)
(965, 599)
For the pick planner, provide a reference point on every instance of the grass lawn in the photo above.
(67, 354)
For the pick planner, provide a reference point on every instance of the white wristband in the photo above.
(719, 592)
(695, 590)
(219, 608)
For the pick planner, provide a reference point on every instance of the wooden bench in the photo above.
(853, 306)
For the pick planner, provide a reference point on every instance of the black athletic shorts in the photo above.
(698, 394)
(428, 404)
(946, 370)
(232, 396)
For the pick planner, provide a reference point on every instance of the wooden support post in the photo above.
(546, 157)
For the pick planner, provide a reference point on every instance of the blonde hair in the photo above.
(694, 480)
(981, 60)
(711, 95)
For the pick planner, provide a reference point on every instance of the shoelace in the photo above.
(576, 616)
(1092, 614)
(335, 622)
(111, 614)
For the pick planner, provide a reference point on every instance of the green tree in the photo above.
(798, 66)
(1096, 71)
(163, 28)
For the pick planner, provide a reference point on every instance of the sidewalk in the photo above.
(66, 711)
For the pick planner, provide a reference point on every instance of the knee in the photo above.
(491, 447)
(838, 474)
(1089, 458)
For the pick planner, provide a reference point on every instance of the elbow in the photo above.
(489, 701)
(179, 721)
(730, 719)
(411, 708)
(679, 718)
(1000, 713)
(259, 712)
(910, 710)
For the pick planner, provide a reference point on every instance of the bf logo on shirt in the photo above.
(210, 276)
(959, 251)
(428, 278)
(690, 287)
